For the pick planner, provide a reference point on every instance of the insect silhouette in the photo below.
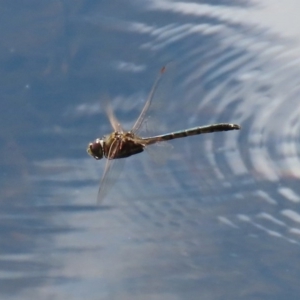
(121, 144)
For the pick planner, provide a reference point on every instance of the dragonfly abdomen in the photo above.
(190, 132)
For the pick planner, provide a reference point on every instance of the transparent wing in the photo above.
(113, 119)
(160, 152)
(148, 123)
(143, 113)
(111, 116)
(113, 169)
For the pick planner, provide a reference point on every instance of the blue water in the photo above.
(218, 219)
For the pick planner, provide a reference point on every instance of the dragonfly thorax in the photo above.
(95, 149)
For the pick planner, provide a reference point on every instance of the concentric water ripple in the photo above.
(242, 75)
(227, 70)
(223, 210)
(219, 218)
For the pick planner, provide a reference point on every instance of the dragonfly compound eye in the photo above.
(95, 149)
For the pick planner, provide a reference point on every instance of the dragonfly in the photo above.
(121, 144)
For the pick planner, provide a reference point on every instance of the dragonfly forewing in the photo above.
(148, 103)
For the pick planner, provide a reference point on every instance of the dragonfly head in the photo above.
(95, 149)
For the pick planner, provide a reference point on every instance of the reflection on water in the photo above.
(220, 218)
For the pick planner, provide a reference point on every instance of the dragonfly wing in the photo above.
(112, 171)
(111, 116)
(143, 113)
(160, 152)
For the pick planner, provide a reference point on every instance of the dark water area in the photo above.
(218, 218)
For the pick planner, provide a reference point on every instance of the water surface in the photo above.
(219, 220)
